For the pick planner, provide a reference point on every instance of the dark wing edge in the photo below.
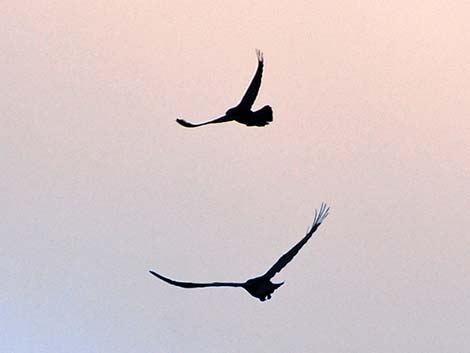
(194, 285)
(185, 123)
(252, 91)
(320, 216)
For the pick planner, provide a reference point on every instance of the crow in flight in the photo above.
(260, 287)
(242, 113)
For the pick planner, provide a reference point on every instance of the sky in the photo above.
(99, 184)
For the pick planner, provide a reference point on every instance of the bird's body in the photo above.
(260, 287)
(248, 117)
(242, 113)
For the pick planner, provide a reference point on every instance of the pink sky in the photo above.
(99, 184)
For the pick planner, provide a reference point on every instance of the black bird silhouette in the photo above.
(242, 113)
(260, 287)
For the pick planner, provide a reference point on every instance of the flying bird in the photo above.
(242, 113)
(260, 287)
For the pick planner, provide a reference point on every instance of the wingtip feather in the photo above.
(321, 214)
(184, 123)
(259, 55)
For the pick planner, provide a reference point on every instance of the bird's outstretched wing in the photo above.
(185, 123)
(252, 91)
(288, 256)
(194, 285)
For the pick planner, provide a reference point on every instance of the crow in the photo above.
(260, 287)
(242, 113)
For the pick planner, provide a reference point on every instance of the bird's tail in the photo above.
(263, 116)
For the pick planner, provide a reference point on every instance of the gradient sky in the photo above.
(99, 184)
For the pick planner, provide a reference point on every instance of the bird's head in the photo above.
(231, 112)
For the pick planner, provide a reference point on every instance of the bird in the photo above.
(242, 112)
(260, 287)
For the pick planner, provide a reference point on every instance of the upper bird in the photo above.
(260, 287)
(242, 113)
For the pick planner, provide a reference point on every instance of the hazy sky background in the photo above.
(99, 184)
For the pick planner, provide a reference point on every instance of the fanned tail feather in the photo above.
(262, 117)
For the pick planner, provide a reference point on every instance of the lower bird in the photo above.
(260, 287)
